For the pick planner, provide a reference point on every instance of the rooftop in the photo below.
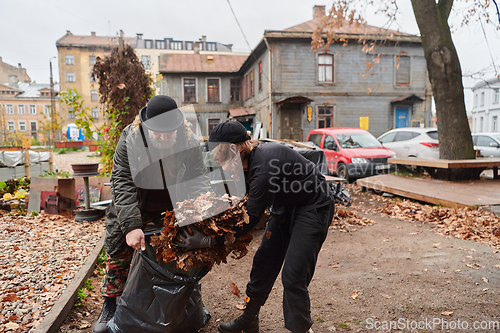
(195, 63)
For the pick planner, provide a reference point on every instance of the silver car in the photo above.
(487, 143)
(412, 142)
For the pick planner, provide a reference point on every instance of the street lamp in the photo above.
(52, 104)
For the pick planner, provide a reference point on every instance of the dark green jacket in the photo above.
(130, 203)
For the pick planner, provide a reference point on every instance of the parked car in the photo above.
(487, 143)
(410, 142)
(351, 152)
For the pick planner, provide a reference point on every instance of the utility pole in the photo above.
(52, 107)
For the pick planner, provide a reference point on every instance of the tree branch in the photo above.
(498, 12)
(444, 7)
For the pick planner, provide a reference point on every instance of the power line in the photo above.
(487, 44)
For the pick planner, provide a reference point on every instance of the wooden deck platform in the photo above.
(450, 194)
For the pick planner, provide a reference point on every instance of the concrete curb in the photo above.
(63, 306)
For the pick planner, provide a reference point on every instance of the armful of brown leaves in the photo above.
(221, 224)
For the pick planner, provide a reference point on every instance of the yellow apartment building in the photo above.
(76, 56)
(24, 109)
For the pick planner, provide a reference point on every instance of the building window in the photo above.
(95, 113)
(10, 109)
(175, 45)
(46, 109)
(160, 44)
(70, 77)
(482, 99)
(22, 125)
(402, 66)
(496, 96)
(33, 126)
(146, 61)
(494, 124)
(235, 89)
(475, 100)
(189, 91)
(149, 43)
(20, 109)
(189, 45)
(10, 126)
(211, 47)
(92, 60)
(32, 109)
(325, 68)
(212, 122)
(481, 124)
(93, 95)
(69, 60)
(260, 75)
(71, 113)
(245, 87)
(213, 91)
(325, 116)
(251, 82)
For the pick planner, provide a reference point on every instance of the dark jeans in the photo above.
(294, 244)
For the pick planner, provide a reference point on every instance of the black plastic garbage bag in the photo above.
(157, 300)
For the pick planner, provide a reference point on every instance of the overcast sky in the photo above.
(30, 28)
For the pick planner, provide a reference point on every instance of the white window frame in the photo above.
(482, 99)
(20, 122)
(496, 95)
(494, 124)
(93, 93)
(396, 84)
(146, 61)
(92, 60)
(208, 121)
(46, 109)
(70, 75)
(36, 125)
(9, 124)
(10, 109)
(176, 45)
(196, 86)
(206, 90)
(95, 113)
(475, 100)
(21, 109)
(326, 82)
(32, 109)
(69, 59)
(71, 111)
(92, 77)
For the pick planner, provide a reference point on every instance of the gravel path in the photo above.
(63, 161)
(38, 258)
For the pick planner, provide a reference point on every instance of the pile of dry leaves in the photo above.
(221, 224)
(344, 218)
(476, 225)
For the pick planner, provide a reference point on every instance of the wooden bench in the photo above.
(449, 165)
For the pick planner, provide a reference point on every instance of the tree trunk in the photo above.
(445, 74)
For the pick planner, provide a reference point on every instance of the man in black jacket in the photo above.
(302, 209)
(157, 162)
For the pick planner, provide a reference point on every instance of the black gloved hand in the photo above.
(196, 240)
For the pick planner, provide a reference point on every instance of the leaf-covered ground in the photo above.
(401, 262)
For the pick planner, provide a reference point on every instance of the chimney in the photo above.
(92, 33)
(196, 47)
(318, 11)
(68, 33)
(19, 65)
(203, 38)
(139, 36)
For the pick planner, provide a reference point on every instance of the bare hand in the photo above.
(135, 239)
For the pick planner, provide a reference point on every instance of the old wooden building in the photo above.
(378, 84)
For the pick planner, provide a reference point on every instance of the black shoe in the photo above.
(107, 312)
(243, 324)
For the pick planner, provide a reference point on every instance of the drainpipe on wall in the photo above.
(270, 88)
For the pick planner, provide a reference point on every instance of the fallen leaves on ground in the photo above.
(235, 290)
(39, 256)
(220, 224)
(347, 218)
(463, 223)
(447, 313)
(354, 294)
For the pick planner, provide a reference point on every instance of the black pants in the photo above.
(294, 244)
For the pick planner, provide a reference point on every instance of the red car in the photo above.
(352, 152)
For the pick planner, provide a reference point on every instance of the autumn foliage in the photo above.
(221, 224)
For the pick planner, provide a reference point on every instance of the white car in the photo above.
(487, 143)
(412, 142)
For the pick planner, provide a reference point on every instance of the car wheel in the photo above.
(342, 171)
